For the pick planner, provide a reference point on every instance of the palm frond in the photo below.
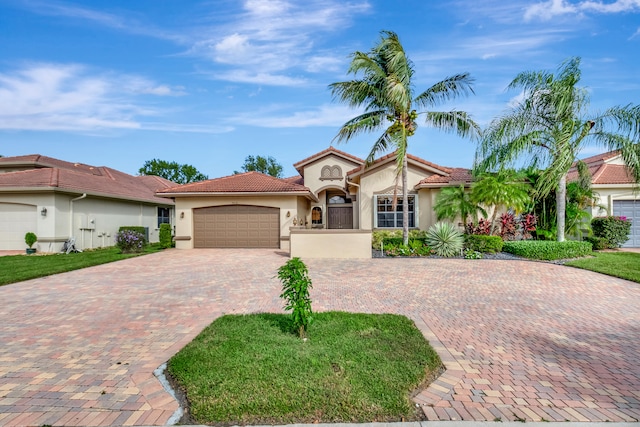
(446, 90)
(458, 122)
(364, 123)
(381, 145)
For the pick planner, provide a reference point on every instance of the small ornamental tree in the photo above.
(30, 238)
(130, 241)
(296, 283)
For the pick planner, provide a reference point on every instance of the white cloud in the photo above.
(269, 37)
(71, 98)
(549, 9)
(259, 78)
(118, 22)
(325, 115)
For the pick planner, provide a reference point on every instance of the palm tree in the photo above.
(386, 92)
(454, 202)
(505, 189)
(550, 126)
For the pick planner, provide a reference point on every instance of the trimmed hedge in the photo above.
(165, 235)
(397, 241)
(379, 236)
(483, 243)
(548, 250)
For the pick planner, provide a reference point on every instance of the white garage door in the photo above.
(630, 209)
(16, 221)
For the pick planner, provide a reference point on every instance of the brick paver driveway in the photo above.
(520, 340)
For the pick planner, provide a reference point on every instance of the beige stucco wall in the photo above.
(95, 220)
(312, 173)
(294, 206)
(381, 180)
(330, 244)
(608, 193)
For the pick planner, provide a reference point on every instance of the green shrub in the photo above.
(416, 247)
(137, 229)
(296, 283)
(379, 236)
(30, 238)
(471, 254)
(483, 243)
(547, 250)
(130, 241)
(615, 229)
(598, 243)
(165, 235)
(445, 239)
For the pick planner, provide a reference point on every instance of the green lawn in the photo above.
(17, 268)
(625, 265)
(353, 368)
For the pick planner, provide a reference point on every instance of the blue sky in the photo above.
(209, 82)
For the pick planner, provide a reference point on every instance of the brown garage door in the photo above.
(236, 226)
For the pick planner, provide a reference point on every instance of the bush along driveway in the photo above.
(520, 340)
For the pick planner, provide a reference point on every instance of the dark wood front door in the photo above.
(341, 217)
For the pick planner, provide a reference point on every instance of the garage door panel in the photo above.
(16, 220)
(237, 226)
(630, 209)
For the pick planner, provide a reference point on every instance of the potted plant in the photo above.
(30, 238)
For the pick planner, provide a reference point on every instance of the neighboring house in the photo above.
(57, 200)
(333, 191)
(616, 189)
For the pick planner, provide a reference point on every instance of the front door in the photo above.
(341, 217)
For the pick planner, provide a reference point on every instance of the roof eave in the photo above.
(40, 189)
(374, 166)
(307, 194)
(442, 184)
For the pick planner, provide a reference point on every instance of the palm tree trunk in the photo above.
(405, 203)
(561, 207)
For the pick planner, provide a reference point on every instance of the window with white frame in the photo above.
(386, 217)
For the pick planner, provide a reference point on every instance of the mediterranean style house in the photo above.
(57, 200)
(335, 202)
(334, 196)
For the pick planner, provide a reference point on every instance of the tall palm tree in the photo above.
(551, 125)
(454, 202)
(386, 92)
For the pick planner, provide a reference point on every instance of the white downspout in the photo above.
(71, 213)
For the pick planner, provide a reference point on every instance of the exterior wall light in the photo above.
(43, 212)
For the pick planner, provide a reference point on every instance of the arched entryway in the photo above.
(339, 211)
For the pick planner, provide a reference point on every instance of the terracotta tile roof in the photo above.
(47, 173)
(603, 172)
(391, 156)
(39, 161)
(601, 157)
(295, 179)
(248, 182)
(456, 175)
(330, 150)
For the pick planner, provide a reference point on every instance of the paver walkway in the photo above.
(520, 340)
